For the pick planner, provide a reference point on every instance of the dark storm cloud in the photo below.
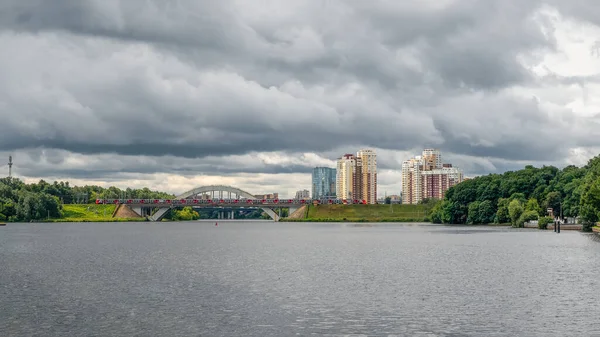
(201, 23)
(59, 163)
(199, 79)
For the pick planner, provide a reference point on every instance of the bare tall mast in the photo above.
(10, 166)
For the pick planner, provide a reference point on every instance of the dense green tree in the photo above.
(502, 213)
(486, 212)
(553, 201)
(185, 214)
(533, 205)
(574, 190)
(38, 201)
(515, 210)
(473, 213)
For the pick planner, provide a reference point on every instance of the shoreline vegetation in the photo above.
(513, 197)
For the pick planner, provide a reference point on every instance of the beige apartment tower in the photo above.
(368, 179)
(431, 159)
(356, 176)
(346, 173)
(411, 181)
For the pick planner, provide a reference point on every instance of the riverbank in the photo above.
(364, 213)
(91, 213)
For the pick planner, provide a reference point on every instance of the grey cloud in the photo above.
(504, 127)
(203, 79)
(59, 163)
(459, 42)
(201, 23)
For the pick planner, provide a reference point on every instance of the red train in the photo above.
(229, 201)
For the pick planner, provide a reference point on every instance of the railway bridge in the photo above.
(220, 196)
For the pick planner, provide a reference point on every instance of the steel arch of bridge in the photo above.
(228, 189)
(216, 188)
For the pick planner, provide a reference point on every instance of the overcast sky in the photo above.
(183, 93)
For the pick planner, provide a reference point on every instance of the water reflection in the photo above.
(276, 279)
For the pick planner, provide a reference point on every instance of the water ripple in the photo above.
(268, 279)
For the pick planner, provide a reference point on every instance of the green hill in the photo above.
(366, 213)
(89, 213)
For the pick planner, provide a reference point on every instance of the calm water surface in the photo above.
(278, 279)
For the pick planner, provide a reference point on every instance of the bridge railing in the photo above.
(179, 202)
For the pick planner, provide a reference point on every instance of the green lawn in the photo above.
(406, 213)
(89, 212)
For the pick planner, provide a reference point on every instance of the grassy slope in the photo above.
(405, 213)
(90, 212)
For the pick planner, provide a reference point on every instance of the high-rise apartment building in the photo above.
(426, 177)
(348, 177)
(412, 191)
(368, 180)
(357, 176)
(323, 183)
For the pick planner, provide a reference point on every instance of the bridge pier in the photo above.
(137, 210)
(159, 214)
(271, 213)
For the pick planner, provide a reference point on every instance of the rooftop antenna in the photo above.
(10, 162)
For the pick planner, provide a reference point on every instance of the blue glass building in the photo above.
(323, 182)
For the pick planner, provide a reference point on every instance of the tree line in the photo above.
(519, 196)
(37, 201)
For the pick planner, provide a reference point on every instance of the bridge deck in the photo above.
(226, 202)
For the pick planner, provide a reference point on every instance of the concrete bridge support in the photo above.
(159, 214)
(226, 215)
(271, 213)
(142, 211)
(146, 211)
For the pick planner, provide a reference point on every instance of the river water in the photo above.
(296, 279)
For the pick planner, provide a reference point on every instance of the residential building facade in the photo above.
(323, 183)
(267, 196)
(303, 195)
(356, 176)
(411, 181)
(348, 177)
(368, 175)
(426, 176)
